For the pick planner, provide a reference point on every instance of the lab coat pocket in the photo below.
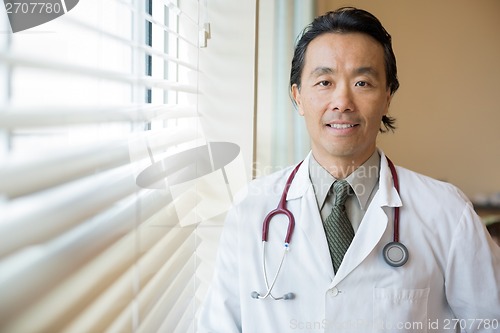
(400, 310)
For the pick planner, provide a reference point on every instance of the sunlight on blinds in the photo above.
(105, 172)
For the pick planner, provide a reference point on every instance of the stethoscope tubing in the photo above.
(395, 180)
(270, 288)
(281, 209)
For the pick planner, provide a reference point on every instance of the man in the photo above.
(444, 278)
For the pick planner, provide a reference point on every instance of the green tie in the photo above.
(338, 228)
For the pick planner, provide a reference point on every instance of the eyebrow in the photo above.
(368, 70)
(318, 71)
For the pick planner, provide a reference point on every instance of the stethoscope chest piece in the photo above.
(395, 254)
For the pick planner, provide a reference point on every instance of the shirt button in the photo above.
(334, 291)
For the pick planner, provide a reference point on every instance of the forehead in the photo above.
(345, 50)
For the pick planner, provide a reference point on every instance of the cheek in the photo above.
(300, 109)
(312, 121)
(379, 107)
(307, 107)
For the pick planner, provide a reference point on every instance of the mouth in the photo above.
(341, 126)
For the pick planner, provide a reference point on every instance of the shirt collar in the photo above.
(362, 180)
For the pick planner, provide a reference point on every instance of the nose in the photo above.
(342, 98)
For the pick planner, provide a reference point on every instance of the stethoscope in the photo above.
(395, 253)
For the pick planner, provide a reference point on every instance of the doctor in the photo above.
(343, 77)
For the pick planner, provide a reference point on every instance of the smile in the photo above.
(341, 126)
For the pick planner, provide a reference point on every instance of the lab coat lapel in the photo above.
(309, 220)
(369, 232)
(373, 225)
(367, 237)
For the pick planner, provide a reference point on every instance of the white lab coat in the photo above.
(451, 279)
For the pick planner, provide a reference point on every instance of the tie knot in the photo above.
(341, 188)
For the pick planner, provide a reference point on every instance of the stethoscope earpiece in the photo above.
(256, 295)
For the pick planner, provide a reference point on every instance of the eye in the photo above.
(324, 83)
(361, 84)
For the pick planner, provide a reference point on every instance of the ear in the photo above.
(297, 98)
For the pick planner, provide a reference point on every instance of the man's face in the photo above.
(343, 96)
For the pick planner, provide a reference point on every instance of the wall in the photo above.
(227, 81)
(227, 104)
(447, 112)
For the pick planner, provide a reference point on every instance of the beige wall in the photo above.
(447, 108)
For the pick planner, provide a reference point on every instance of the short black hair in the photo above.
(346, 20)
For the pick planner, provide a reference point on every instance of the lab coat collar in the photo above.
(301, 182)
(387, 195)
(370, 231)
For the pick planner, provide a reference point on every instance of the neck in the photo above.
(341, 167)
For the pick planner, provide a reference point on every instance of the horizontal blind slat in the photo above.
(178, 11)
(148, 50)
(72, 69)
(112, 311)
(186, 321)
(58, 259)
(88, 283)
(44, 116)
(84, 26)
(192, 43)
(59, 212)
(19, 179)
(63, 210)
(173, 301)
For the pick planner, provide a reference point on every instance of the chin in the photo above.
(336, 152)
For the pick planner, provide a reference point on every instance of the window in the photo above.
(282, 138)
(93, 238)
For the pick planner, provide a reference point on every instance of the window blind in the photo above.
(99, 214)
